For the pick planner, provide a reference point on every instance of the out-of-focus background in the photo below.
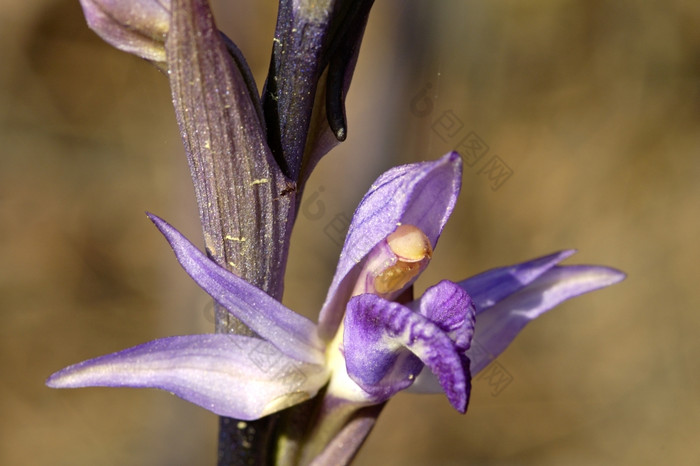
(591, 114)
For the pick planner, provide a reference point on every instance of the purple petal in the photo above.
(499, 325)
(385, 343)
(489, 287)
(134, 26)
(290, 332)
(420, 194)
(230, 375)
(450, 308)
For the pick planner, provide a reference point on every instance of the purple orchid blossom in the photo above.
(369, 343)
(250, 156)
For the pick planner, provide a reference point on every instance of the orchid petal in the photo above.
(502, 321)
(490, 287)
(500, 324)
(450, 308)
(385, 343)
(230, 375)
(420, 194)
(290, 332)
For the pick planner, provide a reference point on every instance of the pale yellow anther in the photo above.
(395, 277)
(410, 244)
(413, 251)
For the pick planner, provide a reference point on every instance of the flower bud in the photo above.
(134, 26)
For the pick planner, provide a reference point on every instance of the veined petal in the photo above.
(386, 344)
(499, 325)
(490, 287)
(450, 308)
(230, 375)
(290, 332)
(420, 194)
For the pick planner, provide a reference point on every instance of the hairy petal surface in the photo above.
(420, 194)
(500, 324)
(290, 332)
(230, 375)
(386, 345)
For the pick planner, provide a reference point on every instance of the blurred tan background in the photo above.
(594, 107)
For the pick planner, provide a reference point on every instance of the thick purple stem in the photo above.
(246, 204)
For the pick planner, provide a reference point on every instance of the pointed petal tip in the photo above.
(459, 400)
(564, 254)
(458, 397)
(54, 381)
(164, 227)
(292, 333)
(609, 276)
(550, 259)
(80, 375)
(65, 378)
(177, 241)
(228, 375)
(620, 275)
(588, 277)
(453, 158)
(157, 221)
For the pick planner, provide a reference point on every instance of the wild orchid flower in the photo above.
(370, 343)
(250, 156)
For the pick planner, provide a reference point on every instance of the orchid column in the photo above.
(249, 157)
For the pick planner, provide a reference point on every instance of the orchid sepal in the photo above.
(500, 319)
(291, 333)
(212, 371)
